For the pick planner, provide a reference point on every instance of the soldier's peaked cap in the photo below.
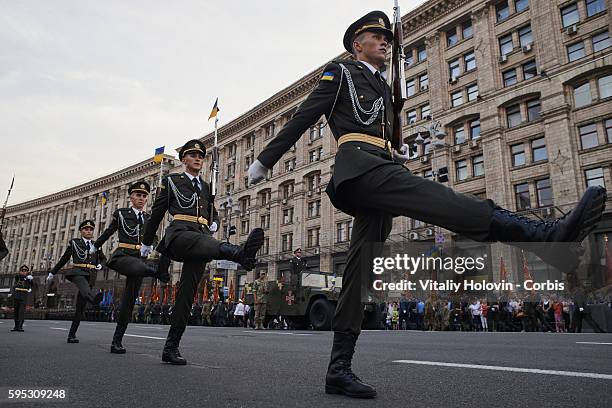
(193, 145)
(140, 187)
(87, 224)
(375, 21)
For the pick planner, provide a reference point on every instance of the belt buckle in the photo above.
(137, 246)
(201, 220)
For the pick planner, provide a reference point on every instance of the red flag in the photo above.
(231, 291)
(526, 273)
(608, 261)
(205, 292)
(215, 293)
(243, 295)
(165, 302)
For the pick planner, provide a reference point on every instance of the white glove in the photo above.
(403, 155)
(145, 250)
(92, 249)
(49, 277)
(29, 290)
(213, 227)
(30, 277)
(98, 267)
(582, 309)
(256, 172)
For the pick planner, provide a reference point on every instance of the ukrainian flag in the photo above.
(215, 110)
(104, 197)
(159, 154)
(327, 76)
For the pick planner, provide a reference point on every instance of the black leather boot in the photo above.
(563, 234)
(245, 254)
(20, 328)
(116, 346)
(72, 333)
(171, 352)
(159, 270)
(340, 379)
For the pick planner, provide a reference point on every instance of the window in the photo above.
(521, 194)
(601, 41)
(453, 68)
(312, 156)
(470, 61)
(314, 208)
(287, 242)
(472, 92)
(478, 165)
(595, 177)
(428, 174)
(466, 29)
(475, 129)
(609, 130)
(509, 77)
(457, 98)
(313, 237)
(425, 111)
(341, 233)
(521, 5)
(588, 136)
(264, 221)
(421, 53)
(506, 45)
(513, 113)
(409, 57)
(410, 87)
(313, 181)
(244, 227)
(287, 215)
(270, 130)
(502, 10)
(461, 172)
(290, 165)
(423, 81)
(544, 192)
(575, 51)
(411, 116)
(582, 95)
(530, 70)
(533, 110)
(459, 133)
(604, 84)
(595, 7)
(451, 37)
(518, 154)
(570, 15)
(525, 36)
(538, 149)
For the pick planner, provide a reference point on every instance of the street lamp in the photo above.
(434, 133)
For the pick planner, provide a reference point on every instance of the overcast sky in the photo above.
(90, 87)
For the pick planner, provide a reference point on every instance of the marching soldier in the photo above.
(129, 225)
(85, 263)
(188, 238)
(260, 295)
(371, 183)
(22, 285)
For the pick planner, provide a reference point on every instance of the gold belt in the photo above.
(191, 218)
(86, 266)
(129, 246)
(361, 137)
(21, 289)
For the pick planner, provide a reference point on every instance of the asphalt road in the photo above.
(234, 367)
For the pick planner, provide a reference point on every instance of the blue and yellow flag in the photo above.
(104, 197)
(327, 76)
(159, 154)
(215, 110)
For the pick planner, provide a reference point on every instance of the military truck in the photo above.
(311, 301)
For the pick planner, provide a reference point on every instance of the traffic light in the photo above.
(232, 230)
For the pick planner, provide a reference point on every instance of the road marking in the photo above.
(512, 369)
(145, 337)
(592, 342)
(58, 328)
(280, 333)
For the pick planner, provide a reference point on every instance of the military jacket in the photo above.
(77, 250)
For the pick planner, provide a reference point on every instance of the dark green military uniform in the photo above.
(22, 285)
(82, 274)
(296, 266)
(188, 239)
(3, 249)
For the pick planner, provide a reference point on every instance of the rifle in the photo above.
(3, 211)
(398, 74)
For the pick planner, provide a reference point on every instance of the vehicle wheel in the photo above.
(321, 314)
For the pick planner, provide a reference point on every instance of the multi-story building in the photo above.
(522, 88)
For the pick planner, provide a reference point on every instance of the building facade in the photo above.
(522, 88)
